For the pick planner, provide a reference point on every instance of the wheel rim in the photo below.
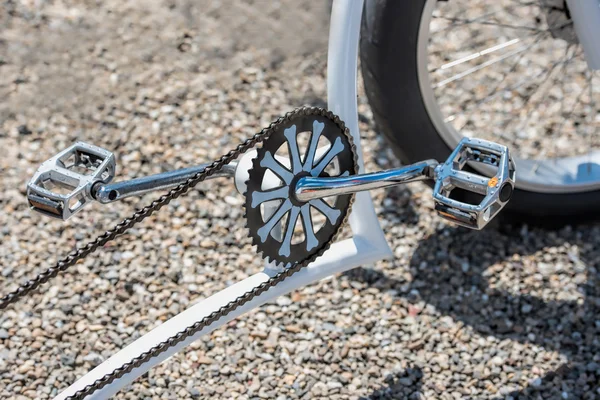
(451, 91)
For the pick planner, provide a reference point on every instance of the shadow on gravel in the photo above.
(403, 385)
(456, 270)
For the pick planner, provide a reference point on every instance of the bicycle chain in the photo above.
(80, 253)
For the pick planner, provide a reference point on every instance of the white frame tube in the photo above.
(586, 17)
(367, 245)
(342, 74)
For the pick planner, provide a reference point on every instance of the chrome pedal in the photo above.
(63, 184)
(495, 191)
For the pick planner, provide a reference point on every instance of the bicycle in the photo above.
(296, 182)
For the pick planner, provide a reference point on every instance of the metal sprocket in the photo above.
(268, 203)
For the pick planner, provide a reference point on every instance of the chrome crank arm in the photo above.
(110, 192)
(495, 191)
(310, 188)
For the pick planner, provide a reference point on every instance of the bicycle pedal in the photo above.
(495, 191)
(62, 185)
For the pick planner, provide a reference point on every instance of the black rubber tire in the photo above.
(388, 52)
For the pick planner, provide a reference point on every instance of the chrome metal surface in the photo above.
(108, 193)
(62, 185)
(311, 188)
(496, 191)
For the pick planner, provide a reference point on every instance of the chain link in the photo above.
(82, 252)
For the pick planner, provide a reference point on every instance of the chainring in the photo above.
(268, 204)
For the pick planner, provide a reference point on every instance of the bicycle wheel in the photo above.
(511, 72)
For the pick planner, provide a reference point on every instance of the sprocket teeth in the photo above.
(272, 140)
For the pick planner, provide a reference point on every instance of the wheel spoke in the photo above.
(457, 22)
(481, 66)
(478, 54)
(463, 21)
(556, 64)
(501, 25)
(466, 21)
(496, 92)
(513, 67)
(538, 36)
(536, 40)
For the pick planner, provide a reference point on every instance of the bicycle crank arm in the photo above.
(310, 188)
(110, 192)
(495, 191)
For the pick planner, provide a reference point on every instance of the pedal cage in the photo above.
(496, 191)
(62, 185)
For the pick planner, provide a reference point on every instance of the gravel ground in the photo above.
(457, 314)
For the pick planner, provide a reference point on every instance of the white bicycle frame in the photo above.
(368, 243)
